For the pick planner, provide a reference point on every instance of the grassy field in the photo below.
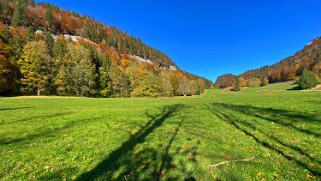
(267, 133)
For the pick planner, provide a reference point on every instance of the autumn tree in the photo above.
(148, 85)
(5, 68)
(184, 86)
(316, 68)
(33, 67)
(144, 81)
(264, 81)
(70, 70)
(83, 77)
(152, 85)
(224, 81)
(194, 88)
(15, 43)
(202, 85)
(175, 78)
(105, 82)
(167, 89)
(135, 73)
(76, 73)
(120, 83)
(236, 85)
(254, 82)
(243, 82)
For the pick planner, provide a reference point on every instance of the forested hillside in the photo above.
(45, 50)
(290, 68)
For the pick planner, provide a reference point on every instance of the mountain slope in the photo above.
(287, 69)
(112, 63)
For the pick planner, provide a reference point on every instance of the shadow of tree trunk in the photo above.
(225, 113)
(148, 164)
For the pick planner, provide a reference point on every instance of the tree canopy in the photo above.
(50, 51)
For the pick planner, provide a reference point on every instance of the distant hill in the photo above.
(115, 63)
(287, 69)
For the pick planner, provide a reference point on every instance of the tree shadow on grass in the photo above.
(49, 132)
(282, 117)
(14, 108)
(34, 118)
(295, 88)
(295, 148)
(58, 174)
(132, 161)
(225, 113)
(314, 102)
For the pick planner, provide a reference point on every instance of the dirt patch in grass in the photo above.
(55, 97)
(316, 89)
(270, 91)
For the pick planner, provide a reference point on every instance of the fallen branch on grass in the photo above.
(232, 161)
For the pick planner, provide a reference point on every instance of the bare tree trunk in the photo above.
(38, 92)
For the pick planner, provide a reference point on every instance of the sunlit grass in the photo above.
(163, 139)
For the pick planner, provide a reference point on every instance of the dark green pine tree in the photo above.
(105, 84)
(30, 36)
(29, 2)
(5, 34)
(4, 9)
(19, 17)
(50, 42)
(16, 42)
(49, 18)
(307, 80)
(59, 49)
(120, 82)
(88, 31)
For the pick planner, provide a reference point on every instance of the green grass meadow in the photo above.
(60, 138)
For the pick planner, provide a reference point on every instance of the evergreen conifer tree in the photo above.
(307, 80)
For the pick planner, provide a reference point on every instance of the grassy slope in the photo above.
(137, 139)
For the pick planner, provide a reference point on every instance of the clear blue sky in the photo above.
(212, 37)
